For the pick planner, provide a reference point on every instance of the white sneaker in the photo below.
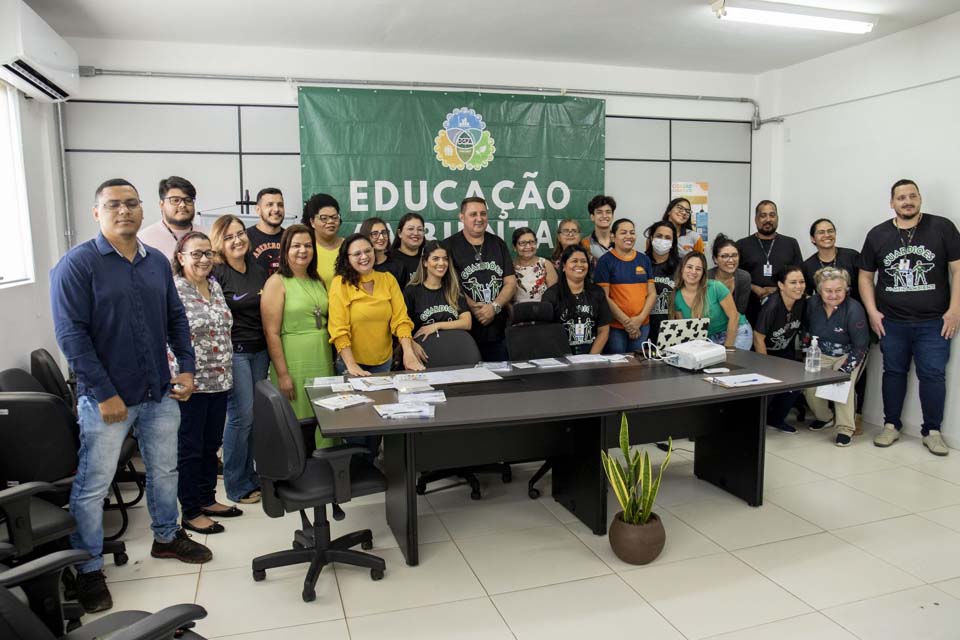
(887, 437)
(934, 442)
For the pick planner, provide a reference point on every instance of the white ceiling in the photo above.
(669, 34)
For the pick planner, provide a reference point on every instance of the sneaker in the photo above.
(934, 442)
(843, 440)
(182, 548)
(92, 592)
(783, 427)
(817, 425)
(888, 436)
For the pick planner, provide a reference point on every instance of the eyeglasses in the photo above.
(728, 256)
(380, 234)
(115, 205)
(235, 236)
(569, 232)
(682, 209)
(356, 255)
(527, 243)
(325, 219)
(825, 232)
(178, 200)
(197, 255)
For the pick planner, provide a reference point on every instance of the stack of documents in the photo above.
(378, 383)
(586, 358)
(496, 366)
(411, 386)
(742, 380)
(325, 381)
(548, 363)
(425, 396)
(405, 410)
(341, 401)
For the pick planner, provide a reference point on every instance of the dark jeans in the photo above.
(201, 432)
(779, 405)
(922, 342)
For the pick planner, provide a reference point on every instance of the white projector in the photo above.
(695, 355)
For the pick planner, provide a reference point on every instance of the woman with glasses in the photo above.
(840, 325)
(726, 257)
(578, 304)
(662, 251)
(202, 416)
(375, 229)
(697, 296)
(626, 277)
(568, 234)
(408, 242)
(242, 280)
(678, 213)
(294, 310)
(322, 214)
(433, 298)
(534, 274)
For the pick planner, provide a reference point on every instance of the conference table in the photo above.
(568, 415)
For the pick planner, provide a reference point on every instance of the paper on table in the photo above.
(496, 366)
(838, 392)
(341, 401)
(422, 396)
(342, 387)
(474, 374)
(547, 363)
(405, 410)
(742, 380)
(524, 365)
(377, 383)
(326, 381)
(585, 358)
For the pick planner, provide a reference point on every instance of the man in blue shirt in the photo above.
(115, 310)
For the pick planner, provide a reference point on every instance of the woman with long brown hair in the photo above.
(698, 297)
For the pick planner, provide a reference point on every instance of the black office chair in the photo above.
(40, 618)
(535, 334)
(449, 349)
(292, 482)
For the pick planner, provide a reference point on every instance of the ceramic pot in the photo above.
(637, 543)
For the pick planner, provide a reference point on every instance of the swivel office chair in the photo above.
(448, 349)
(292, 482)
(535, 334)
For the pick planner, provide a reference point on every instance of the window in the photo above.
(16, 249)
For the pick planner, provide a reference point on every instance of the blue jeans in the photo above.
(155, 426)
(619, 342)
(743, 341)
(930, 351)
(239, 476)
(370, 442)
(201, 433)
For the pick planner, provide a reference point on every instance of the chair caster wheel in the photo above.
(309, 595)
(120, 559)
(421, 489)
(475, 495)
(259, 575)
(376, 574)
(534, 494)
(506, 476)
(366, 545)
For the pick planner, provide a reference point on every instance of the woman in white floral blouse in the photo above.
(202, 416)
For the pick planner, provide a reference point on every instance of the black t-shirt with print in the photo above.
(913, 281)
(242, 292)
(663, 279)
(394, 268)
(429, 306)
(265, 248)
(582, 316)
(481, 271)
(410, 263)
(847, 259)
(780, 327)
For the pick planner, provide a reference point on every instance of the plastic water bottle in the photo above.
(812, 363)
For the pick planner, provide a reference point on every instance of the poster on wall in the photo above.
(535, 159)
(696, 193)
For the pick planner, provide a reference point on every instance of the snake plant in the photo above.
(633, 481)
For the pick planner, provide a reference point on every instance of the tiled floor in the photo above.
(850, 543)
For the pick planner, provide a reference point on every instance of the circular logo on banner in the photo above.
(464, 142)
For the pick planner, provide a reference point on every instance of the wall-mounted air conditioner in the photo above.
(33, 58)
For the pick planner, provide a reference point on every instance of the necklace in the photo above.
(478, 251)
(829, 263)
(910, 232)
(317, 308)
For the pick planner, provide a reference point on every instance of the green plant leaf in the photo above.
(625, 437)
(617, 481)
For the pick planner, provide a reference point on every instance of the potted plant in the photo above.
(636, 534)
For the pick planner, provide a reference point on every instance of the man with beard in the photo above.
(763, 254)
(485, 268)
(178, 207)
(912, 307)
(265, 235)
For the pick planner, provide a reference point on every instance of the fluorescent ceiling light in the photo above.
(794, 16)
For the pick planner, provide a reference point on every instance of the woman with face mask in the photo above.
(662, 251)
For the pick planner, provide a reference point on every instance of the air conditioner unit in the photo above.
(33, 58)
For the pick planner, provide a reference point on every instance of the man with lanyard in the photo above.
(912, 307)
(600, 240)
(485, 268)
(178, 202)
(763, 254)
(265, 235)
(115, 311)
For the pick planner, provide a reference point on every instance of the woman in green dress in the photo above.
(294, 311)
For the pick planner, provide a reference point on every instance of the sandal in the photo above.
(232, 512)
(251, 497)
(216, 527)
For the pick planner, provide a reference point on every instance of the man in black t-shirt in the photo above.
(485, 269)
(763, 254)
(912, 308)
(265, 235)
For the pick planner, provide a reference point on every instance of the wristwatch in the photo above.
(496, 307)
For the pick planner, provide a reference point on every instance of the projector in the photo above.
(695, 355)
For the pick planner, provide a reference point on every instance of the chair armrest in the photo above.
(339, 458)
(163, 623)
(15, 505)
(49, 563)
(22, 492)
(6, 550)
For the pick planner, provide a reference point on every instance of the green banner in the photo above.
(535, 159)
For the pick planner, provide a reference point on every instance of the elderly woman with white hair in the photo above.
(840, 325)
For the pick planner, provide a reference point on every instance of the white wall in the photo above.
(855, 122)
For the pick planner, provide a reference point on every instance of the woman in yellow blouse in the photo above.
(322, 214)
(366, 311)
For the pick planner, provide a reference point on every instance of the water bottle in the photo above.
(812, 363)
